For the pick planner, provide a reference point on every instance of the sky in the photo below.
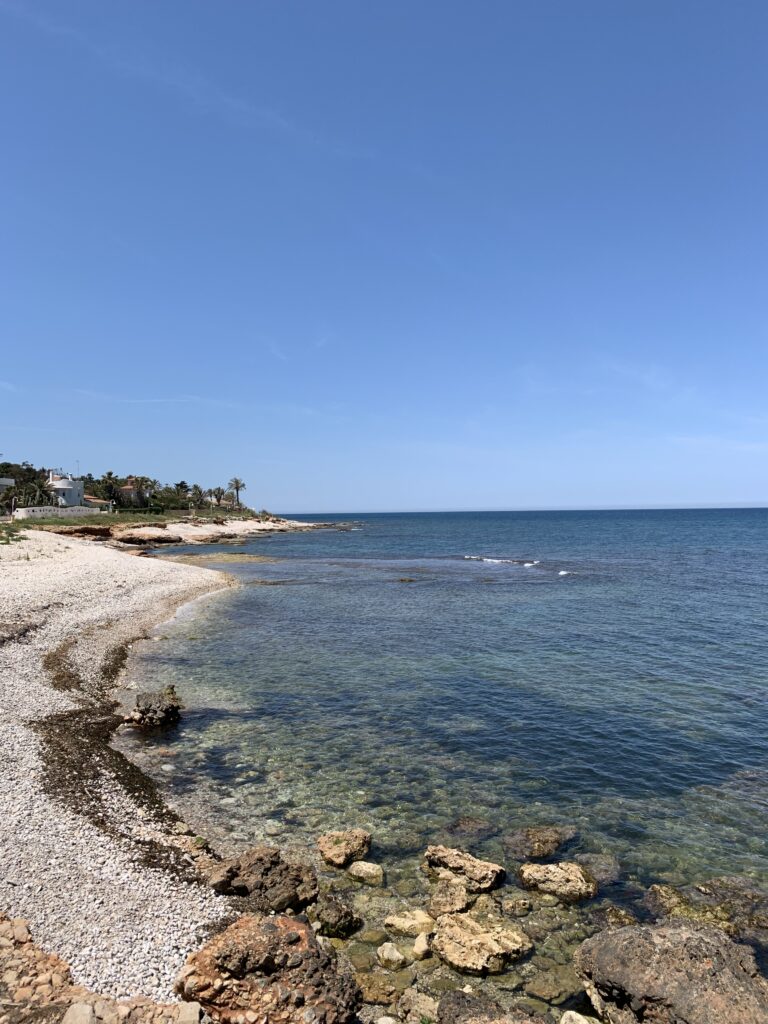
(389, 256)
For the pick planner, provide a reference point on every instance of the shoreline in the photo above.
(87, 839)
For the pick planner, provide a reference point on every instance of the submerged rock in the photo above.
(604, 867)
(449, 898)
(269, 969)
(366, 872)
(569, 882)
(415, 1007)
(731, 902)
(341, 848)
(337, 919)
(538, 841)
(271, 883)
(390, 957)
(672, 973)
(410, 922)
(155, 709)
(555, 985)
(474, 948)
(463, 1008)
(454, 865)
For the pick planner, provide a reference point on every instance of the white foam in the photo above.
(564, 572)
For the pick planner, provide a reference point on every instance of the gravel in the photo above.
(124, 928)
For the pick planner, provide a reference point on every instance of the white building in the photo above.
(66, 491)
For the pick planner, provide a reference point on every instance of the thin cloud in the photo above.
(5, 385)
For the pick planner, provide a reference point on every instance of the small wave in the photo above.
(528, 565)
(565, 572)
(494, 561)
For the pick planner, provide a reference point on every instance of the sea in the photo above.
(452, 677)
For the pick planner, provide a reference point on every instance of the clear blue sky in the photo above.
(393, 255)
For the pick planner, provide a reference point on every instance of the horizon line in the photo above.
(714, 506)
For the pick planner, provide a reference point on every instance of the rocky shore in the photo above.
(116, 909)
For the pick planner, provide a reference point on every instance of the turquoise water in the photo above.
(603, 669)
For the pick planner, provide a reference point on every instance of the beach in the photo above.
(77, 878)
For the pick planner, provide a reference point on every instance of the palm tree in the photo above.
(197, 495)
(218, 493)
(236, 485)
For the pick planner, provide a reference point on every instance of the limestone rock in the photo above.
(273, 968)
(455, 865)
(449, 898)
(79, 1013)
(410, 922)
(568, 881)
(337, 919)
(155, 710)
(271, 883)
(571, 1017)
(365, 871)
(555, 985)
(672, 973)
(390, 957)
(538, 841)
(189, 1013)
(341, 848)
(414, 1007)
(421, 949)
(732, 903)
(474, 948)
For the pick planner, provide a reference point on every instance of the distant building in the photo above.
(65, 490)
(5, 483)
(129, 492)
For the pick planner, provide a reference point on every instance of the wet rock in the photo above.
(271, 883)
(672, 973)
(610, 916)
(454, 865)
(366, 872)
(341, 848)
(410, 922)
(273, 968)
(732, 903)
(538, 841)
(469, 825)
(516, 906)
(337, 919)
(155, 710)
(604, 867)
(567, 881)
(390, 957)
(474, 948)
(464, 1008)
(449, 898)
(379, 989)
(555, 985)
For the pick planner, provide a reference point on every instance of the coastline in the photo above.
(87, 840)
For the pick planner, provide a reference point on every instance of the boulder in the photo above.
(421, 948)
(390, 957)
(474, 948)
(538, 841)
(337, 919)
(454, 865)
(155, 709)
(340, 848)
(463, 1008)
(366, 872)
(555, 985)
(415, 1007)
(269, 969)
(271, 883)
(568, 881)
(410, 922)
(672, 973)
(449, 898)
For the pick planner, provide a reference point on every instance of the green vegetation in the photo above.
(131, 495)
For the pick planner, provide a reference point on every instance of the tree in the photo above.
(143, 487)
(236, 485)
(197, 496)
(218, 493)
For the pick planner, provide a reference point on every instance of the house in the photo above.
(65, 490)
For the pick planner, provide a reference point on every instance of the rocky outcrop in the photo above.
(155, 710)
(474, 948)
(341, 848)
(568, 881)
(537, 842)
(271, 883)
(337, 919)
(462, 1008)
(673, 973)
(269, 969)
(452, 865)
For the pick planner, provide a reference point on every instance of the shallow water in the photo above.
(606, 669)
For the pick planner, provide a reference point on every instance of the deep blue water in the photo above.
(608, 669)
